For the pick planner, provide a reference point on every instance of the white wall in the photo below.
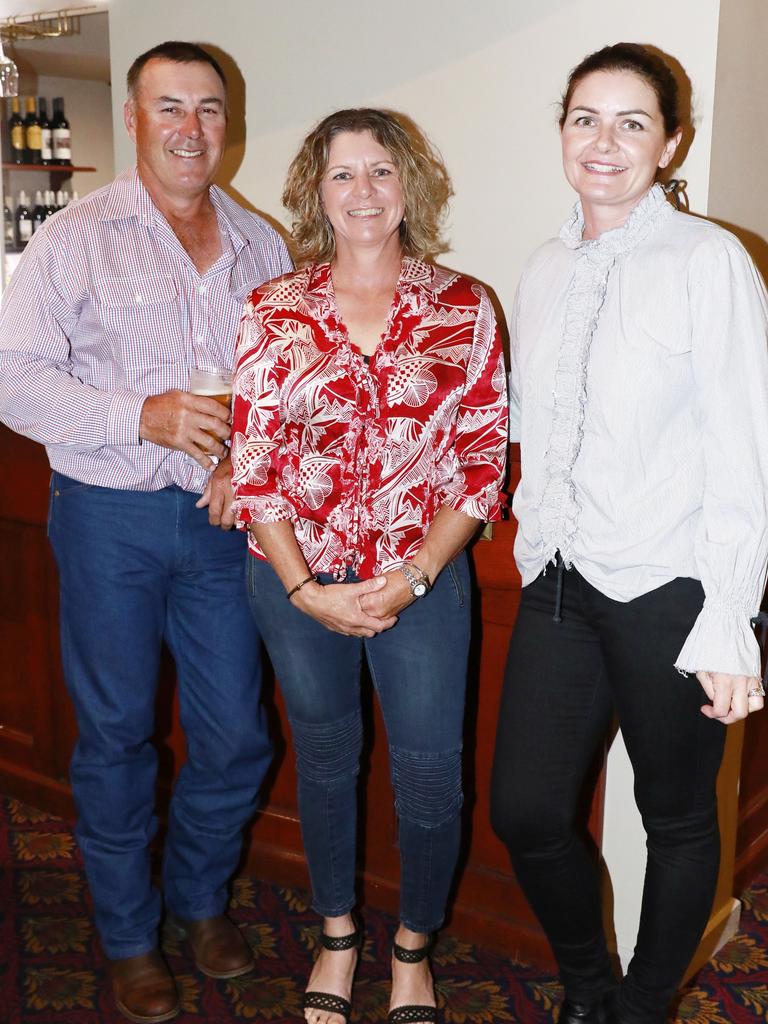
(482, 79)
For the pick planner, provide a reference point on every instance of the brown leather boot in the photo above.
(143, 988)
(218, 946)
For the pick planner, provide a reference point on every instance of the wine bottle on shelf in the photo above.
(46, 134)
(33, 136)
(23, 221)
(16, 133)
(50, 206)
(8, 227)
(59, 200)
(39, 213)
(62, 137)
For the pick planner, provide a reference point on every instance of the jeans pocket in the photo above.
(458, 586)
(60, 485)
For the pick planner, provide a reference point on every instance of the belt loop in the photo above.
(558, 617)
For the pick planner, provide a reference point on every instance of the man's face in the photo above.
(178, 120)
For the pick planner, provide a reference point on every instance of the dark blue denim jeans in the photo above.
(135, 569)
(419, 670)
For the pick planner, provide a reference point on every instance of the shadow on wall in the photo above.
(236, 135)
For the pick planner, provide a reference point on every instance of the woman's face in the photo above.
(361, 192)
(614, 141)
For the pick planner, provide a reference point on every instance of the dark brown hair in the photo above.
(180, 52)
(423, 178)
(641, 61)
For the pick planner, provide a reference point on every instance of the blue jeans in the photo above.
(137, 569)
(419, 670)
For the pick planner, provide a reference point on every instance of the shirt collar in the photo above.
(652, 209)
(128, 198)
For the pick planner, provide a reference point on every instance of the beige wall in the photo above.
(738, 183)
(482, 80)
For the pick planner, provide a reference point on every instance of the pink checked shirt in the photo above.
(105, 308)
(361, 456)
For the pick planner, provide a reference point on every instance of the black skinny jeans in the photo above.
(563, 683)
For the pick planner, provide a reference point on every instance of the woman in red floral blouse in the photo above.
(369, 437)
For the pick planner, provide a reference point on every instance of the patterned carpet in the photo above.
(52, 969)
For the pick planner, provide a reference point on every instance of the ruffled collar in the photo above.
(652, 209)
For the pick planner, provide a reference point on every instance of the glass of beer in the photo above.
(212, 383)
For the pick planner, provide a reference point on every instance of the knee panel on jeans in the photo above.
(427, 786)
(328, 752)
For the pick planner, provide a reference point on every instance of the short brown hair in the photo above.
(642, 61)
(423, 177)
(180, 52)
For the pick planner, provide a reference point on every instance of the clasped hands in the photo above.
(357, 609)
(730, 696)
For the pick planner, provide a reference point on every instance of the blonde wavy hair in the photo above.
(423, 178)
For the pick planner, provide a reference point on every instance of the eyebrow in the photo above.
(619, 113)
(345, 167)
(205, 99)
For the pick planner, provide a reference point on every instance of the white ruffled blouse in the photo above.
(639, 393)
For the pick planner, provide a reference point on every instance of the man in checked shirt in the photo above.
(115, 299)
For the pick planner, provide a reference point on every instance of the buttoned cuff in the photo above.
(722, 640)
(123, 418)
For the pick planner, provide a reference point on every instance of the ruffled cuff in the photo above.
(486, 506)
(721, 640)
(259, 509)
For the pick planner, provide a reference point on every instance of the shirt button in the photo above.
(138, 298)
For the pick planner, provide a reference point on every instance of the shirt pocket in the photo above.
(141, 318)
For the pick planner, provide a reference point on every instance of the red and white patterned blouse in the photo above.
(358, 455)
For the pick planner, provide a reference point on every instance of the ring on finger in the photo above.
(756, 691)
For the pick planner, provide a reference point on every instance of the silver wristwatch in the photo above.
(417, 579)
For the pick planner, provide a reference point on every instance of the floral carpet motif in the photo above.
(52, 969)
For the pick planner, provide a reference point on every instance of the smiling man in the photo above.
(115, 300)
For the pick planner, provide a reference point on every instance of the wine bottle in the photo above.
(23, 221)
(59, 200)
(50, 206)
(39, 213)
(8, 227)
(33, 136)
(62, 138)
(16, 133)
(46, 134)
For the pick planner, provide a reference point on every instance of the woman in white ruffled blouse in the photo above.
(640, 398)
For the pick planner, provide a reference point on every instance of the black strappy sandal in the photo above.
(413, 1014)
(326, 1001)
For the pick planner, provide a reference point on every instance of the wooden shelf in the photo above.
(56, 168)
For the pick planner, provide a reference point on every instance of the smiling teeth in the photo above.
(372, 211)
(605, 168)
(187, 153)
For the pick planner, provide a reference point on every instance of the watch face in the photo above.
(419, 589)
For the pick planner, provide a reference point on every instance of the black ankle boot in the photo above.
(601, 1012)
